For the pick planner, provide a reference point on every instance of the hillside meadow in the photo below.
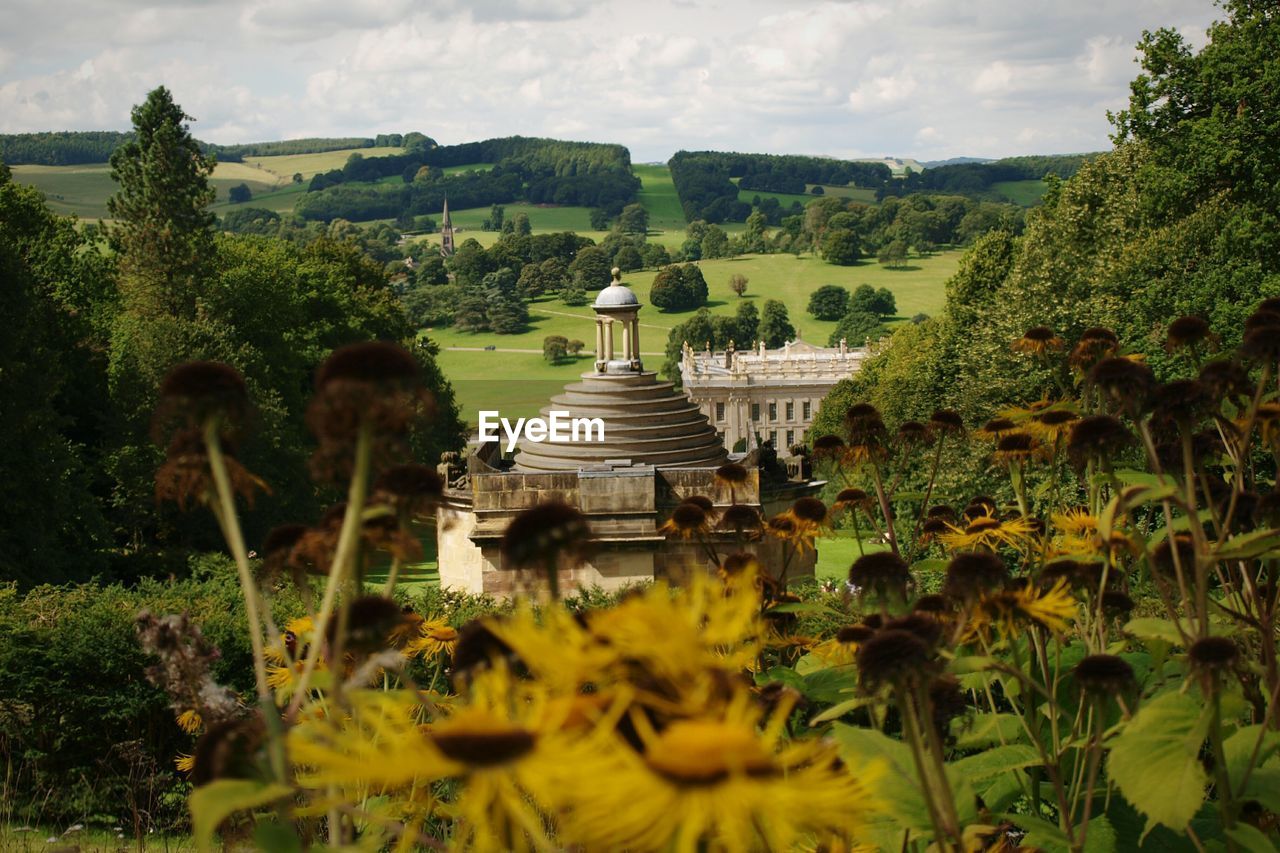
(521, 382)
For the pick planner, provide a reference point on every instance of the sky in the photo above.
(929, 79)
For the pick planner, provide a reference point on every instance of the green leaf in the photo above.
(997, 760)
(1101, 836)
(213, 803)
(830, 685)
(1041, 834)
(931, 565)
(899, 787)
(1155, 760)
(275, 837)
(1238, 751)
(839, 709)
(1251, 838)
(1259, 543)
(1130, 477)
(1154, 628)
(984, 730)
(1263, 788)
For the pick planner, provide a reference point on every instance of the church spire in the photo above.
(446, 232)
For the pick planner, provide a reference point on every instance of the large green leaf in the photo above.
(982, 730)
(213, 803)
(899, 787)
(1155, 760)
(1238, 751)
(1251, 838)
(995, 761)
(1259, 543)
(1153, 628)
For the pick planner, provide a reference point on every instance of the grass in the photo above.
(285, 166)
(84, 190)
(1025, 193)
(541, 218)
(468, 167)
(837, 552)
(414, 577)
(519, 383)
(866, 196)
(658, 195)
(89, 840)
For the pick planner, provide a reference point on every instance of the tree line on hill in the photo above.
(540, 171)
(98, 322)
(73, 148)
(704, 179)
(977, 179)
(1176, 221)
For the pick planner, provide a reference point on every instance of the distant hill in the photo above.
(954, 161)
(74, 148)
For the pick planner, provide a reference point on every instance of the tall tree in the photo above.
(163, 230)
(775, 325)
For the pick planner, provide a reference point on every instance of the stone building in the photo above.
(762, 395)
(657, 449)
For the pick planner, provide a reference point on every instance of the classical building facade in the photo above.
(754, 396)
(657, 449)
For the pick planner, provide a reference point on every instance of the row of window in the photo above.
(805, 409)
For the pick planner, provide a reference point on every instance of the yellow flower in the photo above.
(435, 636)
(989, 532)
(720, 782)
(1006, 611)
(189, 721)
(1075, 522)
(184, 763)
(554, 646)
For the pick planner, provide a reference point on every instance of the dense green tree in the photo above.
(679, 287)
(876, 302)
(628, 259)
(432, 305)
(555, 348)
(856, 328)
(715, 242)
(753, 237)
(829, 302)
(655, 255)
(162, 231)
(894, 254)
(775, 326)
(841, 246)
(54, 288)
(634, 219)
(507, 312)
(574, 293)
(470, 263)
(747, 321)
(494, 221)
(239, 194)
(431, 270)
(591, 268)
(600, 219)
(521, 225)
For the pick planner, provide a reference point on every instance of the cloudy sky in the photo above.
(924, 78)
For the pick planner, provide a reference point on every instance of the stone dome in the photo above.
(616, 295)
(645, 421)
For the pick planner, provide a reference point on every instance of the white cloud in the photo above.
(927, 78)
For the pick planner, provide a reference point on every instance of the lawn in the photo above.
(541, 218)
(467, 167)
(658, 195)
(1025, 193)
(527, 381)
(285, 166)
(84, 190)
(866, 196)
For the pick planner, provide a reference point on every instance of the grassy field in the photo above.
(542, 218)
(83, 190)
(658, 195)
(1025, 193)
(861, 194)
(519, 383)
(285, 166)
(468, 167)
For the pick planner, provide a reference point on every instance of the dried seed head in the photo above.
(811, 510)
(230, 750)
(1187, 331)
(893, 657)
(971, 573)
(851, 497)
(371, 620)
(932, 603)
(1226, 379)
(924, 626)
(194, 392)
(412, 486)
(946, 421)
(1123, 380)
(1097, 435)
(732, 474)
(1214, 653)
(551, 531)
(702, 502)
(1104, 674)
(1163, 556)
(853, 634)
(883, 573)
(740, 517)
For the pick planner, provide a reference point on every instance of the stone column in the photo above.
(626, 340)
(599, 344)
(608, 340)
(635, 338)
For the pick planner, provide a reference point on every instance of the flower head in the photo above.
(1038, 340)
(883, 573)
(687, 521)
(1104, 674)
(1187, 332)
(545, 534)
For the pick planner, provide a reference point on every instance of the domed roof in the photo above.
(617, 294)
(645, 421)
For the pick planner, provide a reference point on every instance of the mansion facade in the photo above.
(754, 396)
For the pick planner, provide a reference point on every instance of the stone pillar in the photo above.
(608, 339)
(626, 341)
(600, 358)
(635, 338)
